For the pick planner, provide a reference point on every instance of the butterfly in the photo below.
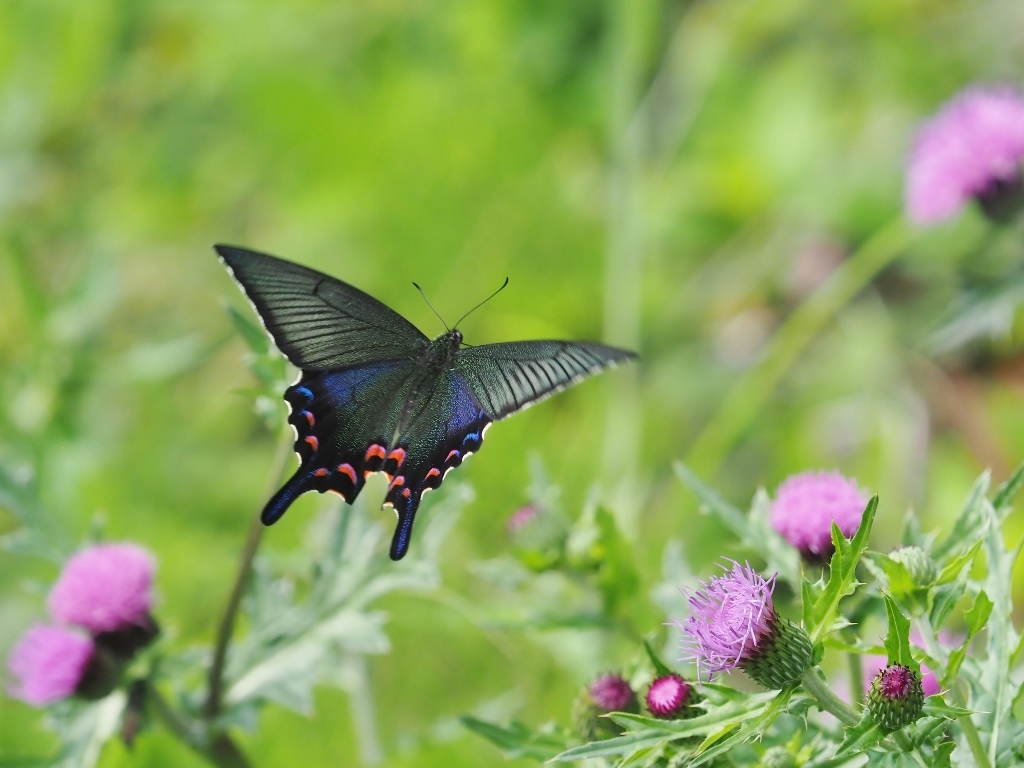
(376, 395)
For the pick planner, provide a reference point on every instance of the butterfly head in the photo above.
(444, 348)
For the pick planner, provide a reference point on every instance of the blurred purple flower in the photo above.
(971, 149)
(667, 696)
(730, 616)
(610, 693)
(105, 588)
(806, 504)
(521, 518)
(48, 664)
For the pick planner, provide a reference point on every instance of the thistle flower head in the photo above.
(48, 664)
(105, 588)
(896, 697)
(733, 623)
(970, 149)
(806, 505)
(669, 697)
(730, 617)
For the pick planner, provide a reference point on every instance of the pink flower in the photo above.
(971, 148)
(48, 663)
(105, 588)
(730, 616)
(521, 518)
(667, 696)
(806, 504)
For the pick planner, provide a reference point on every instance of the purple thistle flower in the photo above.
(733, 624)
(610, 693)
(48, 664)
(105, 588)
(971, 149)
(873, 664)
(668, 696)
(730, 617)
(806, 505)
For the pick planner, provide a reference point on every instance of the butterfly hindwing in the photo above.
(344, 423)
(507, 377)
(444, 426)
(318, 322)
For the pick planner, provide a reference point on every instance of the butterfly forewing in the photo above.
(510, 376)
(320, 323)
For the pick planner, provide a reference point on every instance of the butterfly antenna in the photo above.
(474, 309)
(431, 306)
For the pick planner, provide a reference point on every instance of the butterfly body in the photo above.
(376, 395)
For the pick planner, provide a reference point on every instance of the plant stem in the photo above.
(746, 399)
(974, 741)
(855, 669)
(227, 623)
(221, 751)
(826, 700)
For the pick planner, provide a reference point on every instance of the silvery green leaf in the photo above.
(976, 618)
(1002, 502)
(860, 737)
(84, 728)
(970, 525)
(517, 740)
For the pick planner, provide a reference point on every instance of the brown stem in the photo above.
(227, 623)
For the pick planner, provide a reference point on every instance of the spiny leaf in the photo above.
(860, 737)
(976, 618)
(897, 640)
(1008, 491)
(842, 575)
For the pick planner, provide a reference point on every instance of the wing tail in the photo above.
(290, 491)
(405, 508)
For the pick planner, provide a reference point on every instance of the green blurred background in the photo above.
(678, 177)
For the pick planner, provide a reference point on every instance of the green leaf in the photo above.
(953, 567)
(659, 666)
(935, 706)
(976, 618)
(897, 640)
(516, 740)
(617, 577)
(860, 737)
(1008, 491)
(970, 525)
(754, 530)
(255, 337)
(748, 729)
(945, 598)
(620, 745)
(842, 578)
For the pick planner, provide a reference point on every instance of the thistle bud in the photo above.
(896, 698)
(777, 757)
(671, 698)
(922, 569)
(607, 693)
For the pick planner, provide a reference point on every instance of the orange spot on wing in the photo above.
(322, 472)
(434, 472)
(313, 442)
(407, 493)
(375, 450)
(309, 418)
(451, 454)
(398, 455)
(400, 480)
(349, 472)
